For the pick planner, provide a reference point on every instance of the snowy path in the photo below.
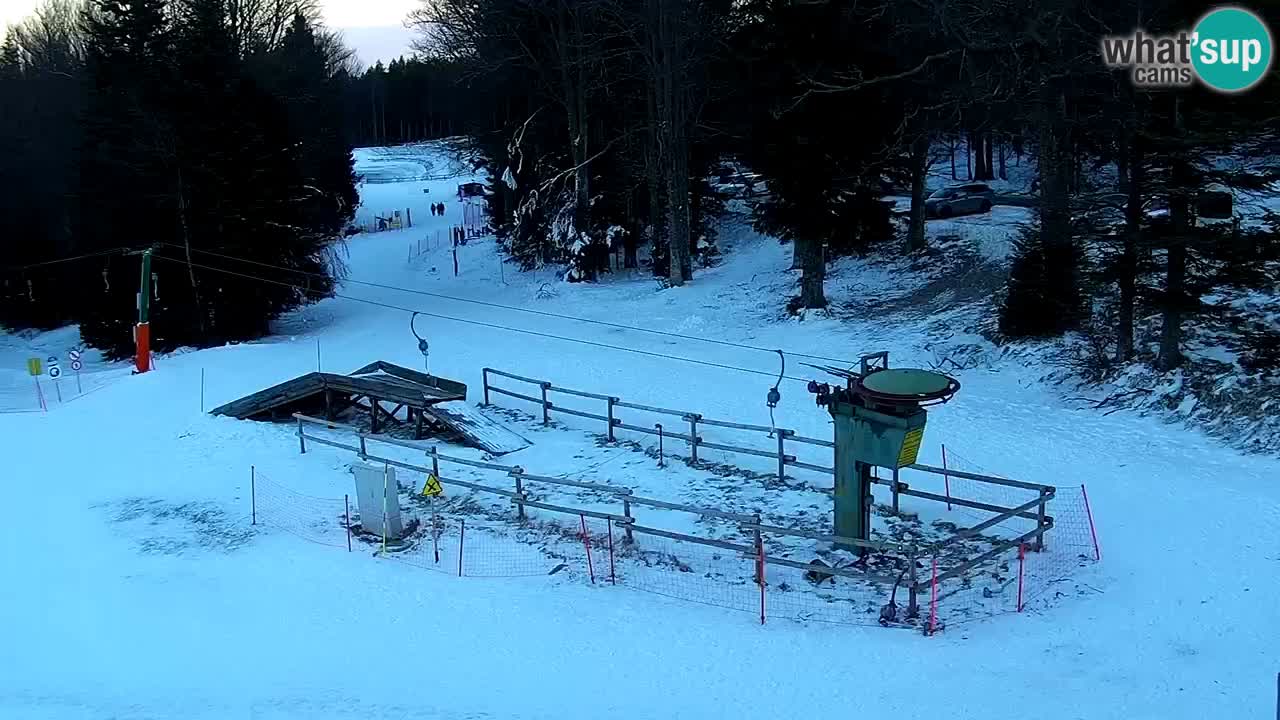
(176, 611)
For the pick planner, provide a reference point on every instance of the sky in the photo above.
(373, 27)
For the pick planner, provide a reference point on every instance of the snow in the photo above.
(139, 590)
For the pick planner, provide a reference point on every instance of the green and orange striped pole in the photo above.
(142, 331)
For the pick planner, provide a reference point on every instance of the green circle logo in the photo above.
(1231, 49)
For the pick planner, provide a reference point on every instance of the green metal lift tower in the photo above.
(879, 422)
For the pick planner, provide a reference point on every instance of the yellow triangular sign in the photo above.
(432, 487)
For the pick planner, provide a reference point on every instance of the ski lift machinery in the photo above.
(879, 417)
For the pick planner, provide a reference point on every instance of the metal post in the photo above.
(346, 512)
(385, 471)
(484, 373)
(520, 512)
(659, 427)
(782, 454)
(435, 528)
(546, 412)
(913, 607)
(612, 400)
(302, 439)
(435, 462)
(1040, 519)
(613, 577)
(253, 496)
(586, 542)
(462, 535)
(758, 541)
(693, 435)
(895, 491)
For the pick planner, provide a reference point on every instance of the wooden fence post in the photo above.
(520, 512)
(612, 400)
(1040, 519)
(612, 573)
(302, 439)
(693, 435)
(782, 454)
(626, 513)
(760, 574)
(484, 373)
(546, 411)
(659, 427)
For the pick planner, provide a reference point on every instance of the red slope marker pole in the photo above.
(1022, 554)
(1097, 553)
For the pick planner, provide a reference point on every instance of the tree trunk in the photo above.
(186, 243)
(919, 167)
(951, 147)
(968, 157)
(1003, 174)
(1122, 169)
(980, 142)
(1127, 269)
(1055, 208)
(653, 180)
(672, 117)
(1176, 266)
(813, 272)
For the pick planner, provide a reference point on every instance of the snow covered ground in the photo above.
(137, 588)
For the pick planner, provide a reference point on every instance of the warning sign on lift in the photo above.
(432, 487)
(910, 447)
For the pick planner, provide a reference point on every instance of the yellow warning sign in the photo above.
(432, 487)
(910, 447)
(33, 366)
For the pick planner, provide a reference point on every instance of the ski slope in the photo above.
(137, 588)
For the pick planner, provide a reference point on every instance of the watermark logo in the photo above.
(1228, 50)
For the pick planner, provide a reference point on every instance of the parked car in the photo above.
(960, 200)
(1215, 206)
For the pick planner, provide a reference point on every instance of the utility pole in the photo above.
(142, 331)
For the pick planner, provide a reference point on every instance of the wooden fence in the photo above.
(626, 498)
(1036, 509)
